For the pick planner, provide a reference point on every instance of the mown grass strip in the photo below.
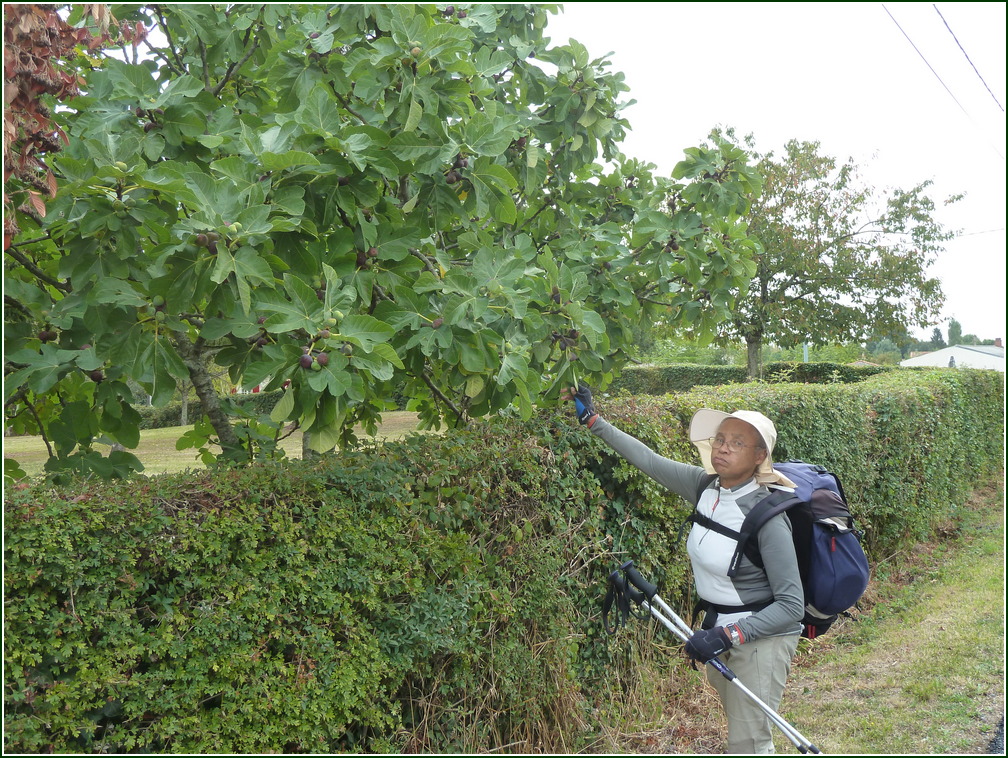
(157, 446)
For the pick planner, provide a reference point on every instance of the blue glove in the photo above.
(583, 404)
(707, 644)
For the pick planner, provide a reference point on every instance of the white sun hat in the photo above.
(705, 424)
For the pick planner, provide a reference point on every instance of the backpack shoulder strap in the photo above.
(695, 517)
(704, 484)
(770, 506)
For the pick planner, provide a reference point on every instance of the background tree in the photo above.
(839, 260)
(955, 335)
(347, 201)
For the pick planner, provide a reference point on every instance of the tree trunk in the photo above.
(192, 355)
(185, 404)
(754, 356)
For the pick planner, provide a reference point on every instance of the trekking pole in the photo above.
(648, 599)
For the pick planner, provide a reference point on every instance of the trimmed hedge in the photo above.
(437, 594)
(258, 403)
(659, 380)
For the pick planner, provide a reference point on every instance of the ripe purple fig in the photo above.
(306, 361)
(323, 359)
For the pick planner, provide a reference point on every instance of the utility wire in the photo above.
(926, 61)
(966, 54)
(914, 46)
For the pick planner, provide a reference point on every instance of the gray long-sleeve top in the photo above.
(710, 552)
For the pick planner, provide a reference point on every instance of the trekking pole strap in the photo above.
(615, 596)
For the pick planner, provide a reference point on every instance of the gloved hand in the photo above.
(707, 644)
(583, 403)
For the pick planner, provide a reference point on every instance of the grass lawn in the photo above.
(157, 446)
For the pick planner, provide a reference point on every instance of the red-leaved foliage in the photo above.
(37, 45)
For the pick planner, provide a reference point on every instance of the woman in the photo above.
(752, 621)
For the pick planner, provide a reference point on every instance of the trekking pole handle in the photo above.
(649, 590)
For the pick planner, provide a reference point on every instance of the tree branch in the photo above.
(206, 69)
(346, 105)
(441, 396)
(19, 306)
(233, 67)
(39, 273)
(425, 260)
(179, 66)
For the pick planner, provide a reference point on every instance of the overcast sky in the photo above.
(848, 75)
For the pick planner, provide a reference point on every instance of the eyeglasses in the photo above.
(735, 445)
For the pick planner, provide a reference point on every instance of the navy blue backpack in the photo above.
(833, 566)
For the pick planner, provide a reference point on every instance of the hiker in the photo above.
(752, 621)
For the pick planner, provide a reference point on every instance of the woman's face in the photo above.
(737, 452)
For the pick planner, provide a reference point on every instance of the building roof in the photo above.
(962, 356)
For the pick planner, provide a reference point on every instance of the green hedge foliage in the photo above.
(438, 594)
(256, 403)
(659, 380)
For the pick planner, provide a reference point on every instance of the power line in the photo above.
(925, 61)
(965, 53)
(914, 46)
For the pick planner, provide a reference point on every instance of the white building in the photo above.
(962, 356)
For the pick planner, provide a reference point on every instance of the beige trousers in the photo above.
(763, 666)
